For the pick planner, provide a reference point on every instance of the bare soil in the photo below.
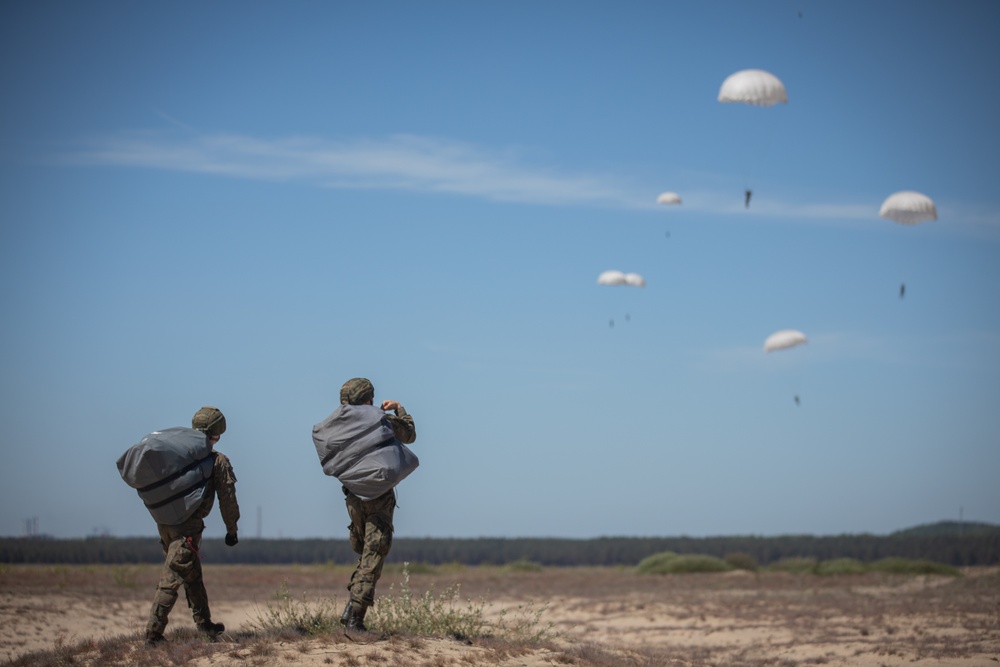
(601, 617)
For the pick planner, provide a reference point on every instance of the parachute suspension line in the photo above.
(757, 151)
(908, 208)
(618, 279)
(787, 339)
(755, 88)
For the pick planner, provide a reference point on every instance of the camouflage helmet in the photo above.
(357, 391)
(210, 420)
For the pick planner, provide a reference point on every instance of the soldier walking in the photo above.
(364, 448)
(181, 541)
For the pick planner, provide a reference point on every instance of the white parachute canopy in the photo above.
(668, 198)
(784, 339)
(611, 278)
(908, 207)
(754, 87)
(619, 278)
(635, 280)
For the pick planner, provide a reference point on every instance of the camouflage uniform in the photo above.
(371, 525)
(181, 543)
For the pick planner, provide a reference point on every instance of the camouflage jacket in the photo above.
(402, 426)
(223, 483)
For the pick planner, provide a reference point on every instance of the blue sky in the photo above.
(245, 204)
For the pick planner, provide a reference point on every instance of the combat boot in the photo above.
(155, 639)
(355, 617)
(213, 630)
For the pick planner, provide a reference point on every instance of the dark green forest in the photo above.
(947, 542)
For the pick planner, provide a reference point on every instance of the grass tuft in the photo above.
(446, 614)
(305, 617)
(401, 612)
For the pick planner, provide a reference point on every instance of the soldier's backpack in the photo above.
(357, 446)
(170, 470)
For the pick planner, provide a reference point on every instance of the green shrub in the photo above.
(841, 566)
(794, 565)
(698, 563)
(742, 561)
(655, 564)
(671, 563)
(523, 565)
(912, 566)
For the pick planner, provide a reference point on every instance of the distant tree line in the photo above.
(957, 550)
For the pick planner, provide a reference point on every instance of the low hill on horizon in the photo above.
(948, 529)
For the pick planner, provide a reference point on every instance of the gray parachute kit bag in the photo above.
(170, 470)
(357, 446)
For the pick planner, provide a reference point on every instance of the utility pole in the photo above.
(259, 514)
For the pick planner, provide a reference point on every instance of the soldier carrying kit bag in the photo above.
(169, 469)
(356, 445)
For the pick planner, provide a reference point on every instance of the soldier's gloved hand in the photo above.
(231, 539)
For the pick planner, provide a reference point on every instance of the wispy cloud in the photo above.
(396, 163)
(434, 165)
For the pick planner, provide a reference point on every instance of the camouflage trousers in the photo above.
(371, 539)
(181, 567)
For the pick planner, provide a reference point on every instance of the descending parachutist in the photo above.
(611, 324)
(902, 290)
(747, 194)
(908, 208)
(628, 318)
(797, 399)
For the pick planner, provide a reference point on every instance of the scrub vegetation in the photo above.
(400, 611)
(835, 612)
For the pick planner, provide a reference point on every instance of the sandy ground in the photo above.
(599, 616)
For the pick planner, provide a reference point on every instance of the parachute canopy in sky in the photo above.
(635, 280)
(755, 87)
(668, 198)
(611, 278)
(908, 207)
(619, 278)
(784, 339)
